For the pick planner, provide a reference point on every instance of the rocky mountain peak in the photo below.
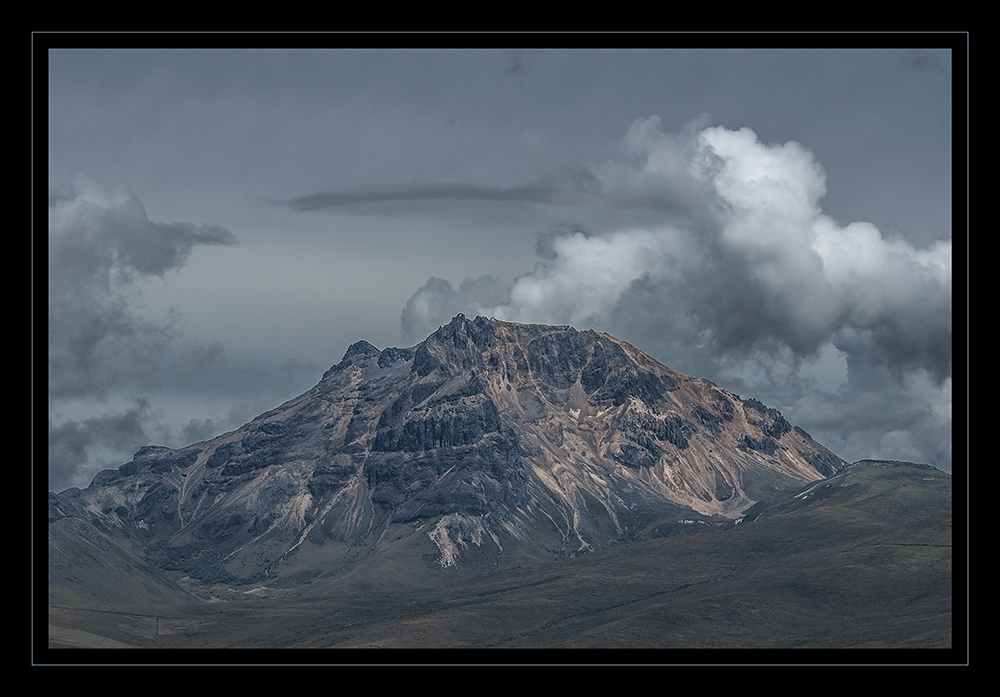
(487, 444)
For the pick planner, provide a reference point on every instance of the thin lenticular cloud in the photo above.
(528, 193)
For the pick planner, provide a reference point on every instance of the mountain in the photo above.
(486, 446)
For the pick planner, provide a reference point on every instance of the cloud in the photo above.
(906, 419)
(411, 193)
(740, 270)
(769, 267)
(74, 442)
(102, 247)
(112, 228)
(436, 299)
(812, 278)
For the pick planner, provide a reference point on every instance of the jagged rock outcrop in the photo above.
(489, 443)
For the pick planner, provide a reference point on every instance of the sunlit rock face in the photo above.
(488, 444)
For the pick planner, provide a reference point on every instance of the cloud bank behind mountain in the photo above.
(745, 280)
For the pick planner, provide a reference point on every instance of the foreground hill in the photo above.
(860, 560)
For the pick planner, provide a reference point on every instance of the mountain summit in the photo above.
(486, 445)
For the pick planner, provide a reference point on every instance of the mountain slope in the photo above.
(862, 559)
(488, 444)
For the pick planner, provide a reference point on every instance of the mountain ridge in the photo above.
(488, 444)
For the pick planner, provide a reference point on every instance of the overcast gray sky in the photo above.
(224, 223)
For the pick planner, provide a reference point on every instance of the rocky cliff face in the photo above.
(488, 444)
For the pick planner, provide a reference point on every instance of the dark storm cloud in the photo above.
(881, 414)
(102, 245)
(74, 443)
(749, 275)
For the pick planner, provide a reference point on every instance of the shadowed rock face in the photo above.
(488, 444)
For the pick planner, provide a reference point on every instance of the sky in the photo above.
(223, 224)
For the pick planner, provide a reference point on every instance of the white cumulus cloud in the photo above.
(741, 267)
